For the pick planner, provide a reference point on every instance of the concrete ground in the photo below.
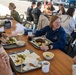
(21, 6)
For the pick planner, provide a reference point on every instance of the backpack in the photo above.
(7, 24)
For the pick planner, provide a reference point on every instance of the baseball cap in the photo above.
(33, 2)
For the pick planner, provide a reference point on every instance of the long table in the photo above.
(61, 64)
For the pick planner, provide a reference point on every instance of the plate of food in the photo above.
(40, 41)
(25, 60)
(11, 40)
(18, 58)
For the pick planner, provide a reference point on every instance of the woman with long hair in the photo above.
(61, 10)
(67, 21)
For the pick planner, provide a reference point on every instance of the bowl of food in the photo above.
(48, 55)
(20, 43)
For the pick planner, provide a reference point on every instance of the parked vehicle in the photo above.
(70, 3)
(38, 0)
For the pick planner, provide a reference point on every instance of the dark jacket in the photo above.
(36, 14)
(58, 37)
(29, 14)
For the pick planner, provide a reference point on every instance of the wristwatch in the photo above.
(49, 46)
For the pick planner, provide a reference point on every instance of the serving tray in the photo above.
(10, 46)
(18, 67)
(35, 45)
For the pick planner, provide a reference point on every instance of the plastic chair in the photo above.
(69, 40)
(21, 17)
(24, 22)
(29, 25)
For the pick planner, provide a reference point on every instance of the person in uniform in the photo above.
(14, 14)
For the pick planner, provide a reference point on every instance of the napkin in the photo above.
(27, 67)
(31, 60)
(26, 52)
(1, 29)
(34, 55)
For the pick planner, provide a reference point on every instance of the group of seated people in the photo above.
(33, 14)
(55, 30)
(41, 19)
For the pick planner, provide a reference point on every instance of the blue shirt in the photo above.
(58, 37)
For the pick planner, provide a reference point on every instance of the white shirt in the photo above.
(19, 29)
(67, 22)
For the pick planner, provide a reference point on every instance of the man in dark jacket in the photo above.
(37, 12)
(29, 12)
